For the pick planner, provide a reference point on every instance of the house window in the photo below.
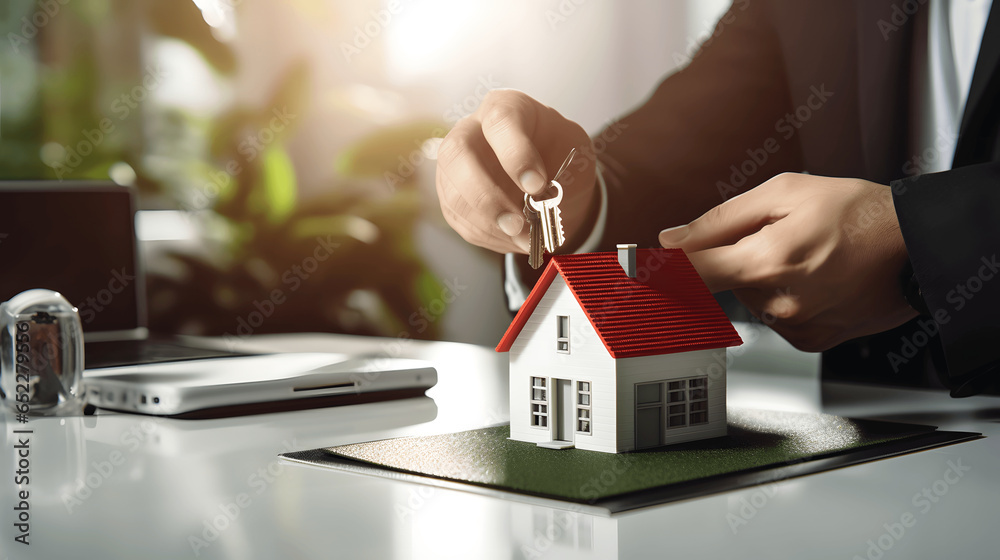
(562, 334)
(687, 402)
(539, 403)
(583, 407)
(677, 408)
(648, 393)
(698, 400)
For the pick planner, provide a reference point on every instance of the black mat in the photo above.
(761, 447)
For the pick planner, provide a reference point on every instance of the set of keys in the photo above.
(545, 229)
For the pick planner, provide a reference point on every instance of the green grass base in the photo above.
(756, 439)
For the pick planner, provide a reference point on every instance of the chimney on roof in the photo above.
(626, 258)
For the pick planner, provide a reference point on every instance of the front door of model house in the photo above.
(648, 415)
(562, 426)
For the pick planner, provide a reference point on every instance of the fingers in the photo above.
(758, 260)
(477, 198)
(509, 123)
(722, 268)
(782, 311)
(493, 157)
(730, 221)
(775, 305)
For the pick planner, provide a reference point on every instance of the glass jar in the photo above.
(41, 355)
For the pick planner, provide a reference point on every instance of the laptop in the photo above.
(78, 238)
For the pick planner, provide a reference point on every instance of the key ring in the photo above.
(565, 164)
(553, 183)
(539, 205)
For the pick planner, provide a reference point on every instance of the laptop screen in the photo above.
(77, 239)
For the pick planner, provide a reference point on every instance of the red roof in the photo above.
(666, 309)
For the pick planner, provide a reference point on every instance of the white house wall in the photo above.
(534, 354)
(710, 363)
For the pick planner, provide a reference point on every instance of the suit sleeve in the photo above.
(699, 139)
(951, 226)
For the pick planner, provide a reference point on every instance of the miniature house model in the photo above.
(618, 352)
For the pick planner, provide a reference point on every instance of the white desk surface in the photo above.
(124, 486)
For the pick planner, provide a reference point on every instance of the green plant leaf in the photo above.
(276, 195)
(388, 150)
(290, 100)
(429, 288)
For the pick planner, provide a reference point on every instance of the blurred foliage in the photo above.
(372, 281)
(373, 155)
(183, 20)
(343, 261)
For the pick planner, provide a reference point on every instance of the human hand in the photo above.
(816, 258)
(511, 145)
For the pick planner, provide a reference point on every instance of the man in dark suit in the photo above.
(858, 238)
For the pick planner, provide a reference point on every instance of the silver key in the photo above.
(545, 231)
(536, 244)
(548, 209)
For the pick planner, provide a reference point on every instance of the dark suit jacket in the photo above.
(824, 87)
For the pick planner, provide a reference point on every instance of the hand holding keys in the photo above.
(508, 147)
(545, 229)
